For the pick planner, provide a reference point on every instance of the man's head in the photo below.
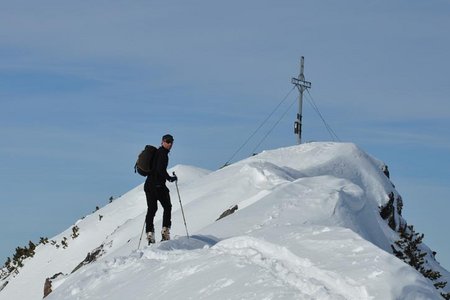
(167, 141)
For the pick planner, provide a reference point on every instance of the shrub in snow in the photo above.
(64, 243)
(13, 266)
(75, 232)
(407, 248)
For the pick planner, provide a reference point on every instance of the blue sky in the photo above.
(84, 86)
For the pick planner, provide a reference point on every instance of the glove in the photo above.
(173, 178)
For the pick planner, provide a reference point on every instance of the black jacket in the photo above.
(159, 174)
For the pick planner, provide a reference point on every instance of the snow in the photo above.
(307, 227)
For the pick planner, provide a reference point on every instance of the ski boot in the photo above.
(151, 237)
(165, 234)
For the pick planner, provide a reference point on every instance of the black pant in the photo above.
(154, 194)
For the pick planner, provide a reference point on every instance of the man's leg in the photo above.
(152, 207)
(164, 198)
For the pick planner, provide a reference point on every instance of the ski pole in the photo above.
(181, 205)
(140, 239)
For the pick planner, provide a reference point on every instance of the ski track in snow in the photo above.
(310, 281)
(283, 267)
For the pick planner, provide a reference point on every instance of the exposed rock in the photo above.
(48, 284)
(91, 256)
(3, 285)
(385, 171)
(228, 212)
(392, 211)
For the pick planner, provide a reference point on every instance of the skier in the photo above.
(156, 190)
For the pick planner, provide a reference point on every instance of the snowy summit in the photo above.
(314, 221)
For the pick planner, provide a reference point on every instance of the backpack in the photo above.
(144, 162)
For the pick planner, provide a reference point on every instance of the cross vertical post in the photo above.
(301, 85)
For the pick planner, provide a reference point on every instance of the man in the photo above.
(156, 190)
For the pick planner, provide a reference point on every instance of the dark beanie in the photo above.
(167, 137)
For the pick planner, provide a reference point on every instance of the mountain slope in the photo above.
(308, 226)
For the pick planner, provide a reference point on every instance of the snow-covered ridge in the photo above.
(308, 226)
